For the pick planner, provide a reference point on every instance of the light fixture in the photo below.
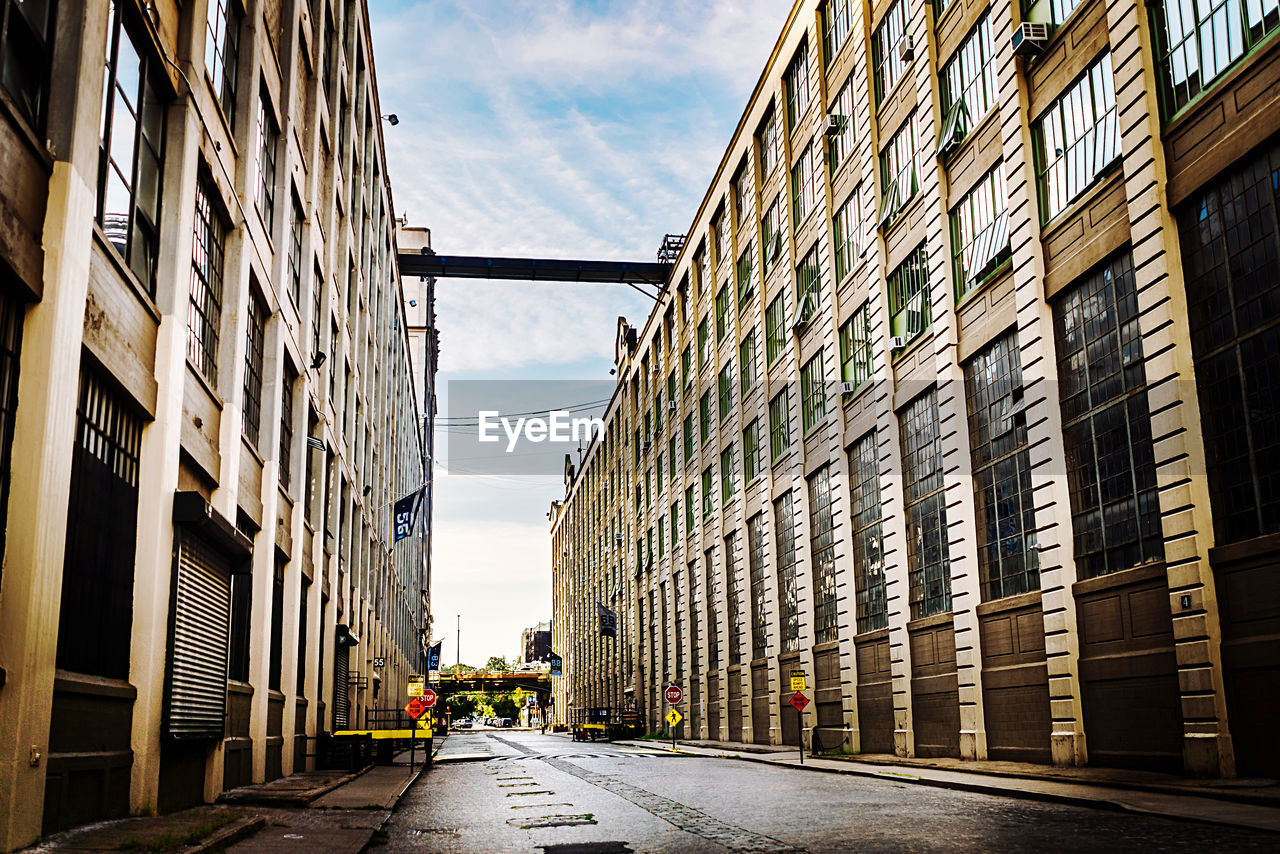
(392, 119)
(318, 359)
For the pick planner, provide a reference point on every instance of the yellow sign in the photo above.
(674, 717)
(416, 688)
(424, 726)
(797, 680)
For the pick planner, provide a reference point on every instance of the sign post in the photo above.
(798, 702)
(674, 694)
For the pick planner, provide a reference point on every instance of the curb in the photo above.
(225, 836)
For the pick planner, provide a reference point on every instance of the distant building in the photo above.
(535, 643)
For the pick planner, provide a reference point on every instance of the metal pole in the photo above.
(459, 653)
(800, 725)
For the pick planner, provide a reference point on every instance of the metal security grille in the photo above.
(759, 599)
(822, 545)
(341, 702)
(11, 311)
(928, 564)
(868, 557)
(198, 648)
(784, 526)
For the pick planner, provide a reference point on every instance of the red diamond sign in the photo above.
(415, 708)
(428, 698)
(799, 701)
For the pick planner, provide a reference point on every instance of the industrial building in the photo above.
(959, 400)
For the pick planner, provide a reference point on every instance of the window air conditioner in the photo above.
(646, 446)
(672, 406)
(1029, 38)
(848, 388)
(776, 245)
(897, 342)
(834, 125)
(906, 50)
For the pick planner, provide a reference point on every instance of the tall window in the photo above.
(222, 52)
(1231, 254)
(701, 262)
(968, 86)
(268, 137)
(808, 288)
(743, 193)
(780, 424)
(1198, 42)
(747, 363)
(295, 250)
(796, 81)
(131, 153)
(758, 565)
(928, 564)
(1048, 11)
(909, 296)
(855, 347)
(25, 54)
(980, 232)
(708, 496)
(725, 387)
(752, 450)
(317, 290)
(11, 314)
(744, 277)
(886, 49)
(784, 526)
(205, 310)
(806, 185)
(704, 342)
(846, 233)
(688, 511)
(255, 331)
(286, 427)
(1005, 508)
(275, 660)
(1077, 138)
(720, 233)
(840, 144)
(688, 437)
(1115, 511)
(771, 234)
(734, 576)
(770, 142)
(813, 393)
(898, 176)
(727, 483)
(724, 317)
(686, 366)
(303, 598)
(868, 557)
(837, 23)
(822, 548)
(712, 590)
(704, 417)
(775, 328)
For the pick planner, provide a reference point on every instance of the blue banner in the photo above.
(404, 514)
(557, 665)
(433, 655)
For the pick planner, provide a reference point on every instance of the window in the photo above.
(724, 318)
(775, 328)
(725, 391)
(887, 49)
(671, 455)
(928, 564)
(204, 312)
(1106, 422)
(771, 234)
(130, 155)
(1048, 11)
(752, 461)
(808, 288)
(1077, 138)
(806, 184)
(822, 548)
(1197, 43)
(686, 366)
(837, 23)
(1231, 254)
(704, 342)
(1008, 560)
(720, 233)
(744, 278)
(747, 362)
(796, 81)
(11, 315)
(662, 536)
(25, 54)
(286, 427)
(222, 53)
(980, 233)
(743, 195)
(909, 296)
(813, 393)
(855, 347)
(733, 598)
(675, 524)
(708, 497)
(968, 86)
(688, 437)
(702, 282)
(275, 660)
(784, 526)
(704, 417)
(779, 424)
(317, 289)
(846, 234)
(673, 390)
(253, 355)
(240, 629)
(658, 466)
(688, 510)
(770, 142)
(303, 598)
(295, 251)
(872, 604)
(898, 177)
(840, 145)
(713, 629)
(759, 605)
(268, 137)
(727, 485)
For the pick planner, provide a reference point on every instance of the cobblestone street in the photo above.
(518, 791)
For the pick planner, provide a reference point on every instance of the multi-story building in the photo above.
(207, 405)
(958, 400)
(535, 643)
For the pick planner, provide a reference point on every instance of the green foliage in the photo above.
(505, 707)
(497, 664)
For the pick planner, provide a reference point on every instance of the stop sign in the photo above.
(673, 694)
(428, 698)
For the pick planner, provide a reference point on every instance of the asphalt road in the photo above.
(546, 793)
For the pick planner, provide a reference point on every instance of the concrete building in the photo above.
(535, 643)
(207, 405)
(958, 402)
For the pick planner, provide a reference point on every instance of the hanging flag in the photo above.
(433, 655)
(404, 514)
(608, 622)
(557, 665)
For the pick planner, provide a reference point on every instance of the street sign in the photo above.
(674, 694)
(797, 680)
(379, 662)
(416, 686)
(674, 717)
(415, 708)
(428, 698)
(799, 701)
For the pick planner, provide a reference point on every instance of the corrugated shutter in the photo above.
(341, 707)
(198, 654)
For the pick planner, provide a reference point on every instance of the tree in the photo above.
(462, 705)
(506, 707)
(458, 669)
(497, 664)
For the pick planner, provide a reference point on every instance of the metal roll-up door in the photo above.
(341, 708)
(198, 650)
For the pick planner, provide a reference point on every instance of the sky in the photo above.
(546, 128)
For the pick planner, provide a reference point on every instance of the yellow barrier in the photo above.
(377, 734)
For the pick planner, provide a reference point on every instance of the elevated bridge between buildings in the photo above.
(532, 682)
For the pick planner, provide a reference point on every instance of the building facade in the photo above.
(207, 405)
(535, 643)
(957, 401)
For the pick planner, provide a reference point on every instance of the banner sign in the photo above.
(557, 665)
(404, 514)
(433, 655)
(608, 622)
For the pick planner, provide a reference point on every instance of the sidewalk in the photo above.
(1242, 803)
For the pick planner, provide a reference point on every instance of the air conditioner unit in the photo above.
(646, 446)
(673, 407)
(848, 388)
(897, 342)
(834, 125)
(906, 50)
(617, 539)
(1030, 39)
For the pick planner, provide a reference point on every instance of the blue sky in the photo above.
(556, 129)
